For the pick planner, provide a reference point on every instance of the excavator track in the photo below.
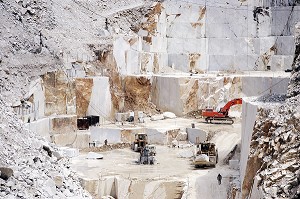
(213, 120)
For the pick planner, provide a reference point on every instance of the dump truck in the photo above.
(140, 141)
(212, 115)
(206, 155)
(147, 155)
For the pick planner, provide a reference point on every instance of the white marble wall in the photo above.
(248, 120)
(167, 90)
(256, 86)
(100, 101)
(171, 93)
(99, 134)
(40, 127)
(225, 35)
(37, 91)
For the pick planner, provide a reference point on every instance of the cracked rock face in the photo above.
(276, 142)
(294, 87)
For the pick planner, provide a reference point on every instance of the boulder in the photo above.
(57, 154)
(93, 155)
(49, 188)
(182, 136)
(5, 173)
(169, 115)
(157, 117)
(48, 150)
(59, 181)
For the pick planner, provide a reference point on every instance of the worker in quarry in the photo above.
(219, 178)
(105, 142)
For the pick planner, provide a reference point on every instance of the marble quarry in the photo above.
(177, 94)
(161, 63)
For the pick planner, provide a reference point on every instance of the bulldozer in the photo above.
(140, 141)
(206, 155)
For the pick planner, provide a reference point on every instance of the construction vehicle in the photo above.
(206, 155)
(140, 141)
(147, 155)
(222, 115)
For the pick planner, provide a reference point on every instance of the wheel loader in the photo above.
(147, 155)
(206, 155)
(140, 141)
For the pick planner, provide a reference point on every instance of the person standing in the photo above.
(219, 178)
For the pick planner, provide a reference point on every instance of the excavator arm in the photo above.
(229, 104)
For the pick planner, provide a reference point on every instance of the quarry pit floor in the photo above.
(169, 165)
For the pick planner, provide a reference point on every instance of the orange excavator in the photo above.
(210, 114)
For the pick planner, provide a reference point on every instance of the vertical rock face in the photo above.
(183, 95)
(63, 124)
(189, 96)
(276, 142)
(294, 87)
(253, 165)
(137, 93)
(188, 36)
(58, 93)
(83, 95)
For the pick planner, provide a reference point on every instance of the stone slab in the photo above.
(93, 155)
(78, 139)
(196, 135)
(63, 124)
(100, 134)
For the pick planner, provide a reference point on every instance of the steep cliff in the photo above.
(274, 160)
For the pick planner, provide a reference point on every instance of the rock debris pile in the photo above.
(108, 147)
(30, 167)
(276, 142)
